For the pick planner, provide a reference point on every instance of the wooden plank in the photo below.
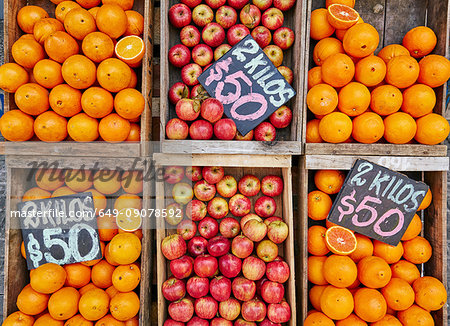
(302, 236)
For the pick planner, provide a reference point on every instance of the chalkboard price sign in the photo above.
(377, 202)
(248, 85)
(60, 230)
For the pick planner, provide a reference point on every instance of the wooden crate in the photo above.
(16, 274)
(288, 139)
(12, 32)
(238, 166)
(392, 19)
(430, 170)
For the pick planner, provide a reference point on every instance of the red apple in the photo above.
(194, 173)
(191, 3)
(229, 227)
(173, 174)
(197, 246)
(180, 15)
(202, 54)
(214, 4)
(267, 322)
(173, 246)
(248, 136)
(277, 271)
(190, 74)
(173, 216)
(243, 289)
(177, 92)
(220, 51)
(253, 268)
(284, 37)
(272, 185)
(218, 208)
(241, 246)
(187, 109)
(262, 36)
(227, 186)
(237, 33)
(213, 35)
(288, 75)
(206, 307)
(254, 310)
(272, 292)
(220, 288)
(187, 229)
(201, 130)
(181, 310)
(267, 251)
(284, 5)
(173, 289)
(202, 15)
(275, 54)
(179, 55)
(196, 321)
(265, 132)
(249, 185)
(208, 227)
(196, 210)
(272, 18)
(225, 129)
(282, 117)
(279, 312)
(259, 284)
(204, 191)
(182, 193)
(230, 309)
(177, 129)
(211, 110)
(171, 322)
(190, 36)
(182, 267)
(220, 321)
(197, 287)
(198, 92)
(277, 231)
(230, 265)
(262, 4)
(249, 217)
(250, 16)
(218, 246)
(242, 322)
(226, 16)
(205, 265)
(255, 230)
(213, 174)
(237, 4)
(239, 205)
(271, 219)
(265, 206)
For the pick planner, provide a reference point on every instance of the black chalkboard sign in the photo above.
(60, 230)
(377, 202)
(248, 85)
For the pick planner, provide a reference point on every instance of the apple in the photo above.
(182, 267)
(226, 16)
(173, 174)
(272, 18)
(197, 246)
(187, 229)
(279, 312)
(287, 74)
(173, 289)
(198, 92)
(187, 109)
(173, 246)
(227, 186)
(241, 246)
(243, 289)
(197, 287)
(271, 219)
(265, 206)
(254, 310)
(277, 231)
(196, 210)
(267, 322)
(213, 174)
(221, 50)
(277, 271)
(272, 292)
(179, 55)
(206, 307)
(262, 36)
(218, 246)
(220, 288)
(218, 208)
(255, 230)
(229, 227)
(190, 36)
(229, 309)
(171, 322)
(201, 130)
(177, 129)
(180, 15)
(248, 136)
(191, 3)
(208, 227)
(202, 15)
(262, 4)
(181, 310)
(237, 4)
(275, 54)
(265, 132)
(239, 205)
(196, 321)
(249, 217)
(282, 117)
(267, 251)
(194, 173)
(213, 34)
(225, 129)
(214, 4)
(253, 268)
(284, 37)
(220, 321)
(190, 74)
(202, 54)
(204, 191)
(242, 322)
(236, 33)
(249, 185)
(230, 265)
(211, 110)
(182, 193)
(205, 265)
(250, 16)
(283, 5)
(173, 216)
(272, 185)
(177, 92)
(259, 284)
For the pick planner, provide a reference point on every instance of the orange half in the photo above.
(340, 240)
(342, 16)
(130, 50)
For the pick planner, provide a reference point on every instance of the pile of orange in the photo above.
(357, 96)
(101, 291)
(73, 75)
(356, 281)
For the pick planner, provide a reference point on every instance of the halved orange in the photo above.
(129, 219)
(340, 240)
(342, 16)
(130, 50)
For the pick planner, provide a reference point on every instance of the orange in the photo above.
(387, 320)
(312, 132)
(48, 278)
(370, 71)
(133, 321)
(426, 201)
(420, 41)
(107, 181)
(63, 304)
(351, 320)
(97, 46)
(126, 277)
(78, 320)
(340, 33)
(374, 272)
(60, 46)
(350, 3)
(49, 179)
(325, 48)
(125, 248)
(101, 274)
(135, 25)
(338, 70)
(65, 100)
(406, 271)
(391, 254)
(368, 128)
(434, 70)
(95, 261)
(97, 102)
(130, 49)
(100, 201)
(124, 4)
(82, 127)
(340, 271)
(124, 306)
(430, 293)
(329, 181)
(370, 305)
(16, 126)
(322, 99)
(135, 133)
(79, 23)
(335, 127)
(320, 27)
(417, 250)
(342, 16)
(132, 182)
(317, 318)
(107, 227)
(112, 20)
(314, 77)
(108, 320)
(44, 27)
(63, 191)
(354, 99)
(63, 8)
(391, 51)
(114, 128)
(128, 201)
(22, 250)
(12, 76)
(340, 240)
(50, 127)
(47, 320)
(319, 205)
(361, 40)
(78, 180)
(78, 275)
(316, 241)
(364, 248)
(31, 302)
(93, 11)
(111, 291)
(28, 16)
(402, 71)
(34, 194)
(88, 3)
(47, 73)
(418, 100)
(400, 128)
(399, 294)
(133, 80)
(113, 75)
(108, 255)
(336, 303)
(32, 99)
(415, 316)
(386, 99)
(94, 304)
(432, 129)
(27, 52)
(413, 229)
(137, 233)
(314, 295)
(129, 103)
(18, 319)
(79, 71)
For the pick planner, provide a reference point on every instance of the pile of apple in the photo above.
(224, 259)
(215, 23)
